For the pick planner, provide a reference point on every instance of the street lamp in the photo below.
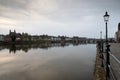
(106, 19)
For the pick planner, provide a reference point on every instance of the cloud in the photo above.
(14, 4)
(66, 17)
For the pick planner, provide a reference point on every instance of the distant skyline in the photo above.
(82, 18)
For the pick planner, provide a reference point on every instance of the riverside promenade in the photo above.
(115, 60)
(99, 71)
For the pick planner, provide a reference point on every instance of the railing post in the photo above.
(107, 62)
(102, 57)
(102, 46)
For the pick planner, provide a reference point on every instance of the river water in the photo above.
(55, 62)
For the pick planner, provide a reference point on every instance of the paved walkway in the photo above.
(115, 49)
(115, 65)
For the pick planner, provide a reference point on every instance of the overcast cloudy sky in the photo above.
(82, 18)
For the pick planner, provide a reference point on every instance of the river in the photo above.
(55, 62)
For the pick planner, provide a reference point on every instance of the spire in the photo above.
(9, 31)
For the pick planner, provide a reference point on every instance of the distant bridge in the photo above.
(84, 40)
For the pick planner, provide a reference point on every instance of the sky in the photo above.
(83, 18)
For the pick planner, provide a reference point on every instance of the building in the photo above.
(13, 36)
(36, 38)
(117, 34)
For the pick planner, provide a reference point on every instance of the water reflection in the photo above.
(47, 62)
(13, 48)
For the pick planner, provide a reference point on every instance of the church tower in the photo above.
(119, 27)
(9, 32)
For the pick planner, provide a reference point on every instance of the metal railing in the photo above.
(117, 60)
(115, 67)
(111, 72)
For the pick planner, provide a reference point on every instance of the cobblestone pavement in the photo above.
(115, 66)
(115, 49)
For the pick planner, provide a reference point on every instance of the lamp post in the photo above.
(106, 19)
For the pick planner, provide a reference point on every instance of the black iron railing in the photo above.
(113, 67)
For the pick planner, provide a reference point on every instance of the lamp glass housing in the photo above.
(106, 17)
